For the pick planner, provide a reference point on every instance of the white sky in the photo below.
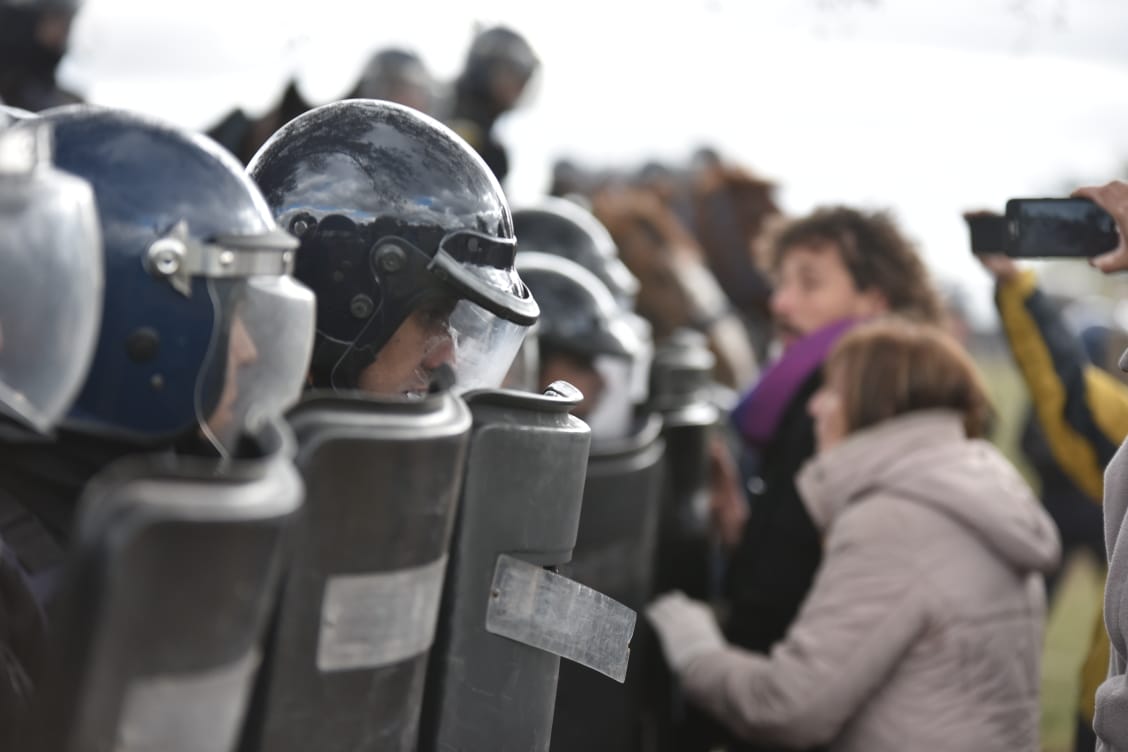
(928, 107)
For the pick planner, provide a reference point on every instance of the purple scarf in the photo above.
(758, 415)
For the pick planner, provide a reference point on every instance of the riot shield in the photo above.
(614, 554)
(348, 651)
(507, 616)
(681, 392)
(681, 376)
(165, 599)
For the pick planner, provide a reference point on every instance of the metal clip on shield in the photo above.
(506, 618)
(545, 610)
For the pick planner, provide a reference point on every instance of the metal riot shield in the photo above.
(348, 652)
(681, 391)
(165, 599)
(507, 617)
(614, 554)
(681, 377)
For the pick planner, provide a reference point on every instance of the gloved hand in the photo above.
(686, 628)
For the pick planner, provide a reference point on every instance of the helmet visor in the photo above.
(481, 268)
(50, 294)
(262, 362)
(610, 417)
(444, 335)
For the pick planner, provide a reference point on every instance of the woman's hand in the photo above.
(686, 628)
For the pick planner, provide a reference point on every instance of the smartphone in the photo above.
(1059, 227)
(988, 231)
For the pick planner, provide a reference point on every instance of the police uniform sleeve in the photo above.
(22, 648)
(1082, 410)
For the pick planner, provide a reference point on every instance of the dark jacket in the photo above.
(771, 570)
(40, 483)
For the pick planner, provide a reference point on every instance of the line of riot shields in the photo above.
(369, 613)
(300, 561)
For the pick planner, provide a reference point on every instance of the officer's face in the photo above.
(422, 343)
(578, 372)
(814, 289)
(241, 352)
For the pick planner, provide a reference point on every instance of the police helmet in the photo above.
(397, 75)
(501, 45)
(561, 227)
(398, 217)
(580, 319)
(204, 332)
(578, 314)
(50, 282)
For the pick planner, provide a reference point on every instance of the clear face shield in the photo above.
(469, 326)
(613, 414)
(262, 332)
(262, 361)
(524, 374)
(455, 336)
(50, 282)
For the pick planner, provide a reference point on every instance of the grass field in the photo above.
(1077, 602)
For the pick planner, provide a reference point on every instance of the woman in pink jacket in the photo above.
(923, 630)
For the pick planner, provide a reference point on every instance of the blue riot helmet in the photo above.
(204, 332)
(407, 241)
(50, 282)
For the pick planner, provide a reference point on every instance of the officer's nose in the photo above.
(440, 351)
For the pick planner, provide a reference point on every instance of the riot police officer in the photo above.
(50, 303)
(562, 228)
(202, 339)
(498, 69)
(407, 240)
(583, 338)
(33, 40)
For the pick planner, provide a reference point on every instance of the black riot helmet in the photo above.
(397, 75)
(405, 234)
(50, 282)
(578, 314)
(581, 321)
(497, 53)
(204, 333)
(563, 228)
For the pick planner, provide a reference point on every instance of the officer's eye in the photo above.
(437, 313)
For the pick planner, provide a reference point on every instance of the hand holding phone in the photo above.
(1113, 198)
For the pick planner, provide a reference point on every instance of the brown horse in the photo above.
(677, 288)
(731, 208)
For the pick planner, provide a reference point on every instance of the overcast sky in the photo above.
(927, 107)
